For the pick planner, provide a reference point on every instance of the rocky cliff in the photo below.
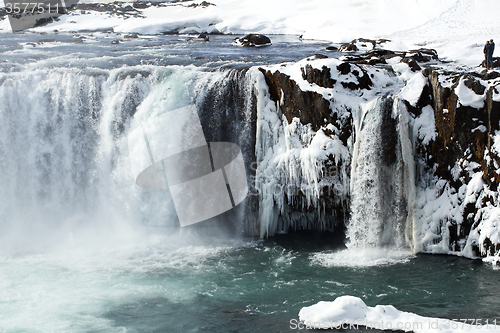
(451, 117)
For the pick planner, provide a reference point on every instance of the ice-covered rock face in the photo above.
(305, 140)
(458, 169)
(444, 126)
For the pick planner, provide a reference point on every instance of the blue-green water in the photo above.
(159, 283)
(261, 287)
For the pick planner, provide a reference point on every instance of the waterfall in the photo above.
(65, 156)
(64, 151)
(382, 178)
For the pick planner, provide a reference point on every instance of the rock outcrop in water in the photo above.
(252, 40)
(453, 119)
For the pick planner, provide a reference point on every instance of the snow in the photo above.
(496, 95)
(457, 29)
(467, 97)
(441, 206)
(480, 128)
(424, 127)
(496, 142)
(437, 204)
(413, 89)
(349, 312)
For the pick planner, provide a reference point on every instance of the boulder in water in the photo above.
(132, 35)
(204, 36)
(252, 40)
(317, 56)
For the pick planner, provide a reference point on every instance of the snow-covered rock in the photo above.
(349, 312)
(453, 129)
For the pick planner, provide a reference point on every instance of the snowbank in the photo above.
(351, 312)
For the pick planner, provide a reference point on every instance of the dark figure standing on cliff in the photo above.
(485, 51)
(488, 53)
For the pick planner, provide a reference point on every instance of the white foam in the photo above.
(362, 257)
(69, 290)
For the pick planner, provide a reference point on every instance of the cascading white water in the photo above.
(63, 148)
(382, 178)
(64, 153)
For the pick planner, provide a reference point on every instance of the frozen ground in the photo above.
(456, 28)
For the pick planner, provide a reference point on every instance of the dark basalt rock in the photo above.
(141, 5)
(204, 36)
(44, 21)
(131, 35)
(365, 41)
(389, 133)
(352, 46)
(412, 63)
(422, 55)
(253, 40)
(489, 75)
(378, 56)
(364, 81)
(112, 8)
(310, 107)
(332, 48)
(317, 56)
(320, 77)
(344, 68)
(458, 138)
(474, 84)
(349, 47)
(204, 4)
(496, 62)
